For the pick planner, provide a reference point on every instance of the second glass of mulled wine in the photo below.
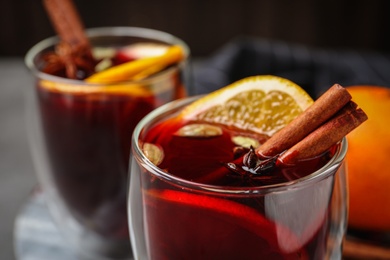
(80, 132)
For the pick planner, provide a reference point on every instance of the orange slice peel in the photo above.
(138, 69)
(74, 89)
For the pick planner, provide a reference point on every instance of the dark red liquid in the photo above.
(187, 224)
(88, 137)
(201, 159)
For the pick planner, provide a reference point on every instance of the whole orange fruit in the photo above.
(368, 161)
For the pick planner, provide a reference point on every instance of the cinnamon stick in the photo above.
(316, 130)
(326, 122)
(355, 249)
(67, 23)
(73, 53)
(321, 139)
(322, 109)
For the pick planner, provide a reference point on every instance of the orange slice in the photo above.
(128, 89)
(263, 104)
(133, 69)
(210, 219)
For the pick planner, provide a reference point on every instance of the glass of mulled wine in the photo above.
(190, 207)
(80, 136)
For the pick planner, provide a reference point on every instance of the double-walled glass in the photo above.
(80, 137)
(172, 218)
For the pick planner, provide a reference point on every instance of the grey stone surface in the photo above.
(17, 177)
(36, 237)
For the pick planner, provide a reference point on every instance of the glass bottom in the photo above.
(38, 236)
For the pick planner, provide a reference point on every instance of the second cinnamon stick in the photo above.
(67, 22)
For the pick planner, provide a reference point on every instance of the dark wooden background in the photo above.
(208, 24)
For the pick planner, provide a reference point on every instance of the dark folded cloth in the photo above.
(313, 69)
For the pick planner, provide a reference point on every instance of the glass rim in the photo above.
(128, 31)
(328, 169)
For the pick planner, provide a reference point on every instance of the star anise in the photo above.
(65, 61)
(252, 166)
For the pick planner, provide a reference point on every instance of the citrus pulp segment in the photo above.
(262, 104)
